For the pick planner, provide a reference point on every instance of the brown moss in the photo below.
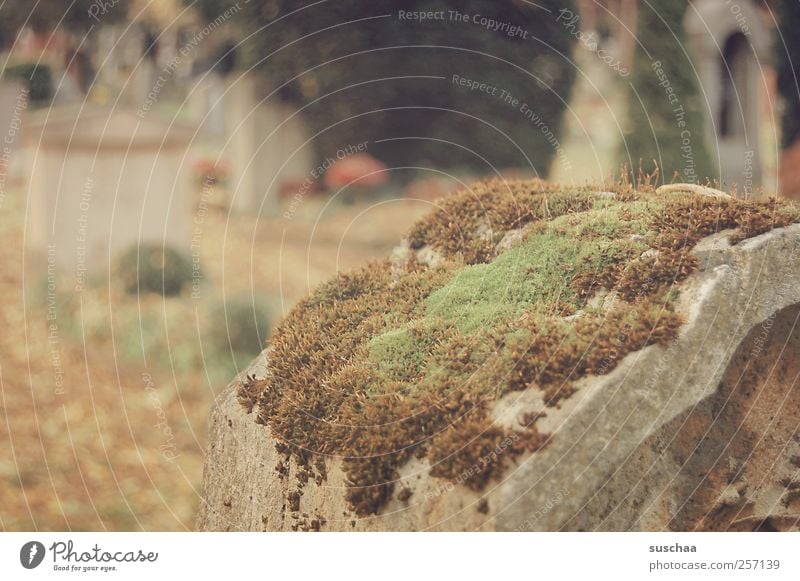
(471, 450)
(294, 501)
(648, 274)
(469, 223)
(404, 495)
(683, 221)
(553, 353)
(373, 370)
(249, 391)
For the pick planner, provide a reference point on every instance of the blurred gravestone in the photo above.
(103, 181)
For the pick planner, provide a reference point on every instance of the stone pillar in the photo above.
(264, 145)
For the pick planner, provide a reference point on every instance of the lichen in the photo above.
(380, 365)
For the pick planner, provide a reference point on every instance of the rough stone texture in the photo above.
(701, 434)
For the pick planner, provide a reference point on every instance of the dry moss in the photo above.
(377, 367)
(470, 224)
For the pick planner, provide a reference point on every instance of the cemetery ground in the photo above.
(104, 396)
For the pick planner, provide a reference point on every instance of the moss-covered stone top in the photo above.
(496, 291)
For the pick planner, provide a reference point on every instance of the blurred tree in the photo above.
(359, 66)
(666, 120)
(46, 15)
(237, 330)
(787, 59)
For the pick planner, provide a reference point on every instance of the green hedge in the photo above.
(37, 78)
(154, 269)
(238, 327)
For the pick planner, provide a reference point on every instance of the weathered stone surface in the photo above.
(700, 434)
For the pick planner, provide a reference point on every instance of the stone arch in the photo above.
(729, 42)
(733, 102)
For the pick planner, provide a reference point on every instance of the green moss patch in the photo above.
(378, 367)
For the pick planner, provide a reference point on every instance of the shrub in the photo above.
(153, 268)
(38, 78)
(238, 327)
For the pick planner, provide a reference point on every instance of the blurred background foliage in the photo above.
(371, 85)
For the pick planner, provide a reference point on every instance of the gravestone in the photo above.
(729, 44)
(683, 417)
(103, 181)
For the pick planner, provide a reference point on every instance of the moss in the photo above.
(537, 274)
(471, 450)
(534, 273)
(468, 225)
(400, 354)
(379, 366)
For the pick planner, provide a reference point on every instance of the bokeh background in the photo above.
(175, 175)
